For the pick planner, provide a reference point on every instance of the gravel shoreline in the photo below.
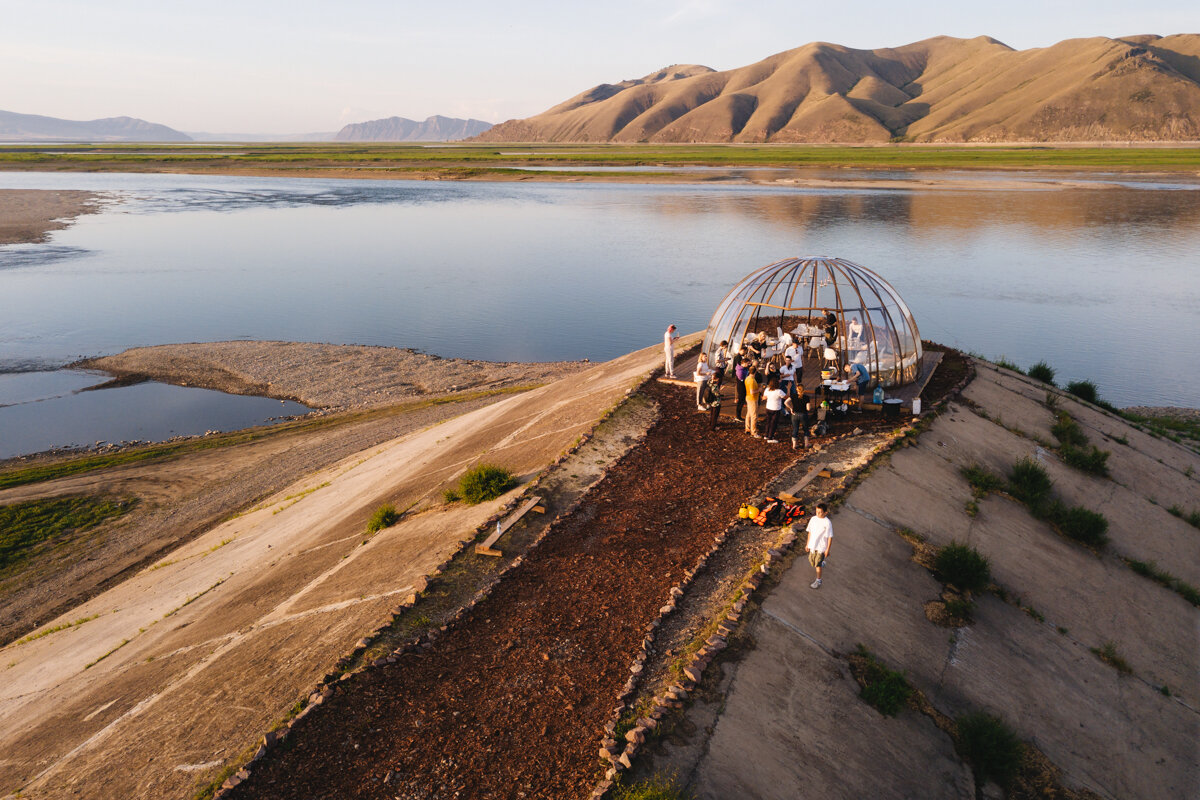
(329, 377)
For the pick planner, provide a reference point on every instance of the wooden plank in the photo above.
(791, 494)
(486, 549)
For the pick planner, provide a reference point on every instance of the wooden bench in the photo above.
(821, 470)
(532, 504)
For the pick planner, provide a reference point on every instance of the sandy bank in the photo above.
(326, 376)
(28, 215)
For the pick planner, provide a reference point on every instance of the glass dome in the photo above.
(824, 302)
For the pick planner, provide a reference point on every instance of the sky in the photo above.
(267, 66)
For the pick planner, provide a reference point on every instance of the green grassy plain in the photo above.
(484, 161)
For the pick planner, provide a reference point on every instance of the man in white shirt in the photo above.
(669, 350)
(820, 536)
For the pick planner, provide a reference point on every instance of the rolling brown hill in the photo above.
(1136, 88)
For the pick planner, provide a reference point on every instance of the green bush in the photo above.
(1090, 459)
(990, 747)
(485, 482)
(1029, 483)
(1043, 372)
(1082, 525)
(884, 689)
(659, 787)
(1084, 390)
(982, 479)
(963, 567)
(384, 517)
(1067, 431)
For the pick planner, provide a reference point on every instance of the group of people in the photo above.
(784, 392)
(769, 387)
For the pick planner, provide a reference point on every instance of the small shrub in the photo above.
(1083, 525)
(1084, 390)
(485, 482)
(1029, 482)
(1090, 459)
(384, 517)
(960, 608)
(884, 689)
(990, 747)
(1067, 430)
(1041, 371)
(451, 496)
(1107, 653)
(963, 567)
(659, 787)
(1003, 361)
(1166, 690)
(1192, 518)
(972, 509)
(982, 480)
(1033, 612)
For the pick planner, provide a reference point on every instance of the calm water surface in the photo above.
(1100, 283)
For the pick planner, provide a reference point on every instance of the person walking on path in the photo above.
(669, 350)
(773, 397)
(741, 368)
(820, 536)
(752, 400)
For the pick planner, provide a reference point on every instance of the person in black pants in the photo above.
(712, 398)
(797, 406)
(740, 370)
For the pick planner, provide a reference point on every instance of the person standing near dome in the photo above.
(669, 350)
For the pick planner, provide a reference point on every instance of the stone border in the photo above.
(620, 755)
(334, 683)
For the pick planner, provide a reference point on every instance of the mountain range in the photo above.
(399, 129)
(34, 128)
(944, 89)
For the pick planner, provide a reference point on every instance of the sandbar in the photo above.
(324, 376)
(29, 215)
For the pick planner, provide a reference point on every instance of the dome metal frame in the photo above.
(794, 291)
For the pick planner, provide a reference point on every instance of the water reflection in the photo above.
(1098, 282)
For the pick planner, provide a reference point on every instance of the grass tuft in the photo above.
(884, 689)
(384, 517)
(990, 747)
(1043, 372)
(963, 567)
(1084, 390)
(1107, 653)
(485, 482)
(1148, 569)
(657, 787)
(1029, 482)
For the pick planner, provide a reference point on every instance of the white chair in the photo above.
(831, 360)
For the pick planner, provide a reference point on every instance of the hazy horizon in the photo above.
(275, 68)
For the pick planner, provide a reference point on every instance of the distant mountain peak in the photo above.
(16, 127)
(399, 129)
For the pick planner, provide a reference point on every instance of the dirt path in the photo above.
(180, 498)
(512, 701)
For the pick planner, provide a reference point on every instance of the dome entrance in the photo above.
(822, 303)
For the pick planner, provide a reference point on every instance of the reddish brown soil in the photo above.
(511, 701)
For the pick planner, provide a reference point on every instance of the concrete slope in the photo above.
(178, 669)
(791, 721)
